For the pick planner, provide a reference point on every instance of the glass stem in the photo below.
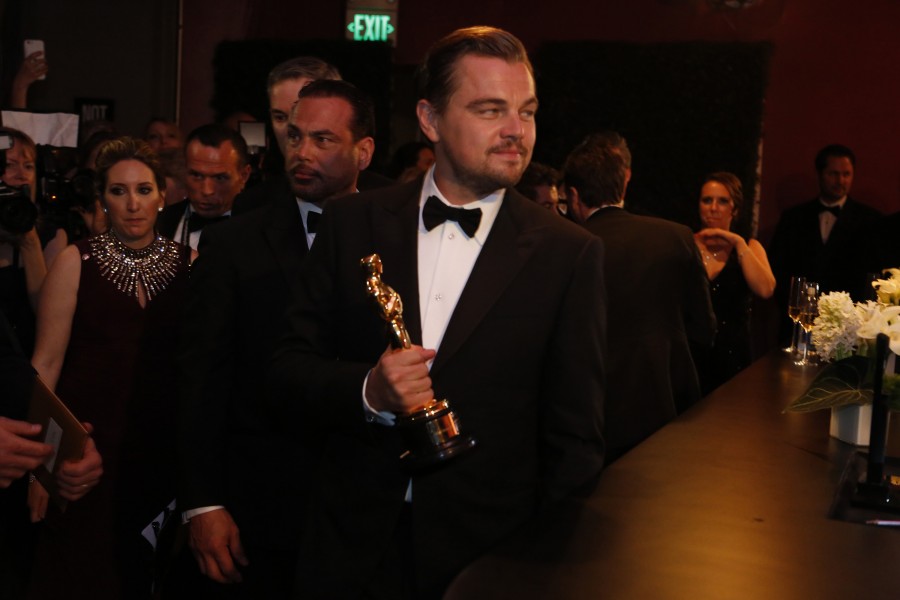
(805, 348)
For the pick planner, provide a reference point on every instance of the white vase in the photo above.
(852, 424)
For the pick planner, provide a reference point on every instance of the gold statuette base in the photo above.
(432, 435)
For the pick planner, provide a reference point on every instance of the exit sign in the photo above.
(372, 21)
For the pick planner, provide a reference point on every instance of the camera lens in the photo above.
(18, 214)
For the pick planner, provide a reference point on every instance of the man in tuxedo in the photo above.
(284, 83)
(217, 170)
(825, 239)
(658, 296)
(243, 478)
(504, 305)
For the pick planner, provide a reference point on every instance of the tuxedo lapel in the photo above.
(809, 232)
(169, 218)
(507, 248)
(286, 237)
(395, 224)
(842, 232)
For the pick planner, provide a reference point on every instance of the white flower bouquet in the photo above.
(844, 335)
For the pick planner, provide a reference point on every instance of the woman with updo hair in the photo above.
(737, 269)
(106, 321)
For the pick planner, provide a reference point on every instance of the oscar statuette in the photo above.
(431, 432)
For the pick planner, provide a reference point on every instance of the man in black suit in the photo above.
(658, 296)
(18, 453)
(243, 478)
(217, 169)
(285, 81)
(504, 303)
(825, 239)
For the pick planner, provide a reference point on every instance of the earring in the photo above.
(105, 210)
(160, 209)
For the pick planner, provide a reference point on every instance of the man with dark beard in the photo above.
(242, 477)
(504, 305)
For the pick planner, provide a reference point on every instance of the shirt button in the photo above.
(451, 236)
(438, 297)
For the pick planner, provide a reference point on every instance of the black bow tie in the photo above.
(197, 222)
(436, 212)
(835, 210)
(312, 221)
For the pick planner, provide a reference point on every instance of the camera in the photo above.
(18, 214)
(62, 191)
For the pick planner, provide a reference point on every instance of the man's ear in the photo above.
(428, 120)
(572, 196)
(365, 149)
(245, 175)
(573, 203)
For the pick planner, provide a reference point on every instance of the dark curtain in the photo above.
(686, 109)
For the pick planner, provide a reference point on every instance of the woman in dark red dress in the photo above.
(107, 322)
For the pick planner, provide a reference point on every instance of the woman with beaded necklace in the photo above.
(106, 317)
(736, 268)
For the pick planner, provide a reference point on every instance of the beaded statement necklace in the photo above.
(152, 267)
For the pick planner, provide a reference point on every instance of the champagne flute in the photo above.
(809, 310)
(794, 297)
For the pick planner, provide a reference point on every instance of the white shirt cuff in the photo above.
(190, 514)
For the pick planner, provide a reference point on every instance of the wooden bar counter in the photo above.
(731, 500)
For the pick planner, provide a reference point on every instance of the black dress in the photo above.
(731, 352)
(119, 375)
(15, 305)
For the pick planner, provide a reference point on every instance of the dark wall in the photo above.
(678, 129)
(125, 51)
(832, 75)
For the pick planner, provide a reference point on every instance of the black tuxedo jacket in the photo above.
(169, 218)
(277, 185)
(841, 264)
(658, 301)
(273, 189)
(16, 373)
(232, 452)
(521, 363)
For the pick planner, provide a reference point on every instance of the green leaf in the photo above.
(891, 391)
(845, 382)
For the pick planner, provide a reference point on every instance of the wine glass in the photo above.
(794, 296)
(809, 310)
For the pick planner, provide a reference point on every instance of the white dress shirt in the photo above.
(446, 257)
(306, 208)
(827, 220)
(193, 239)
